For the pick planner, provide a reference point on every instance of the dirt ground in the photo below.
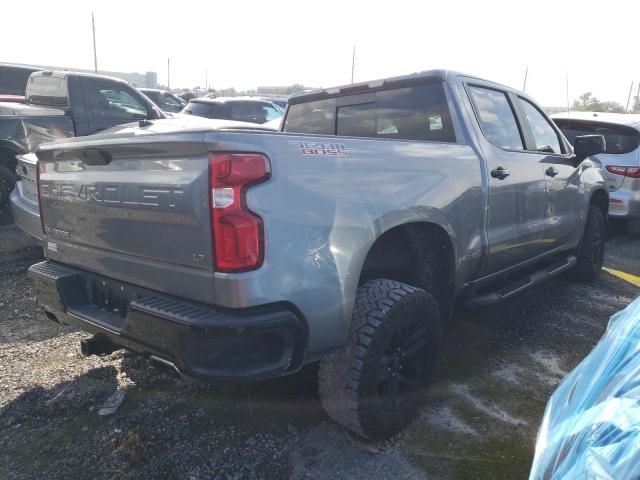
(480, 419)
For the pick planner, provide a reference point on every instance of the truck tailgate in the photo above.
(135, 212)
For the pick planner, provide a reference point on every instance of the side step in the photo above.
(522, 284)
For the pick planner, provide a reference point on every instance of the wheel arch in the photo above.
(600, 198)
(419, 253)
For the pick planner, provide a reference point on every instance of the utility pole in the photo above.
(526, 71)
(168, 74)
(353, 62)
(95, 54)
(567, 92)
(206, 79)
(626, 110)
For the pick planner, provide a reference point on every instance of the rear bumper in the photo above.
(625, 202)
(202, 342)
(25, 215)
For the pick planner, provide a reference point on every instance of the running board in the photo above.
(522, 284)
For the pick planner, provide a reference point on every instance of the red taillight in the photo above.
(237, 233)
(633, 172)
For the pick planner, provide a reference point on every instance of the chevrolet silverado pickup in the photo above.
(346, 238)
(57, 105)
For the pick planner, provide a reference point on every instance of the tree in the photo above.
(587, 102)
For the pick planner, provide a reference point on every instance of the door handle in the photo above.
(500, 173)
(551, 171)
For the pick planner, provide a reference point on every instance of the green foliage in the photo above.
(588, 103)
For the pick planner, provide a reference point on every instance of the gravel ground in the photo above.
(480, 419)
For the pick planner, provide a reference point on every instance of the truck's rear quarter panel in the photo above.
(322, 213)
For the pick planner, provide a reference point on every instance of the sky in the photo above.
(245, 44)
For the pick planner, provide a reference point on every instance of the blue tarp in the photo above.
(591, 426)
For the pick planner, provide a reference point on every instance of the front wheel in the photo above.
(373, 385)
(591, 250)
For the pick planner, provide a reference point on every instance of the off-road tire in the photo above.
(591, 250)
(632, 227)
(7, 184)
(349, 379)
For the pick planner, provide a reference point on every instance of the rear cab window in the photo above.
(409, 113)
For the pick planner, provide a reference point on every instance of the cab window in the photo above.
(496, 118)
(544, 135)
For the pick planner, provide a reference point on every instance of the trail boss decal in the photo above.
(323, 149)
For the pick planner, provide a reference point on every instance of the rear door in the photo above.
(516, 204)
(564, 208)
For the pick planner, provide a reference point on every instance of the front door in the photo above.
(516, 197)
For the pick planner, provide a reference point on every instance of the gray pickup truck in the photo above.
(237, 255)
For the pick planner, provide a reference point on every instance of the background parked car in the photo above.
(186, 96)
(243, 109)
(13, 79)
(167, 101)
(620, 161)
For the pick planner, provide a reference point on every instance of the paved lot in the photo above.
(480, 420)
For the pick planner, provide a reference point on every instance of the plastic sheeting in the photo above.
(591, 426)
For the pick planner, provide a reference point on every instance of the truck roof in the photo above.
(437, 74)
(65, 74)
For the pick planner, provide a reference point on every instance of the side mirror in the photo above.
(586, 145)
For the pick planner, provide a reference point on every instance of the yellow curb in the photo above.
(627, 277)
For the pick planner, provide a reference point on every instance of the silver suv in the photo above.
(620, 161)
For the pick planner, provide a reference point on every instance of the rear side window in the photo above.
(47, 90)
(411, 113)
(545, 137)
(619, 138)
(208, 110)
(496, 118)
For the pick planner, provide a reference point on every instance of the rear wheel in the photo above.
(373, 385)
(7, 183)
(591, 251)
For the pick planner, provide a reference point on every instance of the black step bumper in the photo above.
(203, 342)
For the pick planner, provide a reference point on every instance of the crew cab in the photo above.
(346, 238)
(58, 105)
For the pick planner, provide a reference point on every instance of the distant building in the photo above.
(140, 80)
